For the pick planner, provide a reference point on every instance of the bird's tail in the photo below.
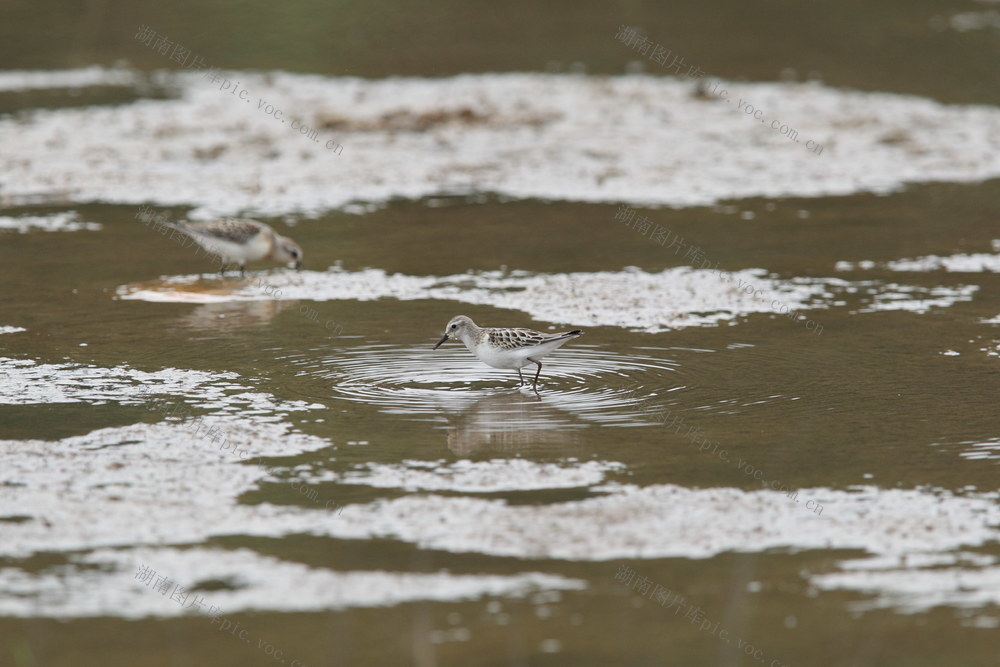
(178, 225)
(161, 220)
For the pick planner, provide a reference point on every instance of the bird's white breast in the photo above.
(497, 358)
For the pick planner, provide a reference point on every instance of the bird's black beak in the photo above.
(441, 342)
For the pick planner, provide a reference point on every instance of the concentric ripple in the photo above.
(587, 385)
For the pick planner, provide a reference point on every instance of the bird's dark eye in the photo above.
(454, 326)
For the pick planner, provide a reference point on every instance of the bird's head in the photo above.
(459, 327)
(287, 250)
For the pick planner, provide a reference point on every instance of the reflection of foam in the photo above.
(56, 222)
(988, 449)
(511, 134)
(103, 583)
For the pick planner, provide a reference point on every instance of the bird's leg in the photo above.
(520, 378)
(243, 270)
(222, 270)
(534, 385)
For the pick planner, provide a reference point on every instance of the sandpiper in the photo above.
(505, 348)
(241, 241)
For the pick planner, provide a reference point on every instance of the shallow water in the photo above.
(290, 450)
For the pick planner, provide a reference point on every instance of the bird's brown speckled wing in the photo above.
(515, 339)
(233, 231)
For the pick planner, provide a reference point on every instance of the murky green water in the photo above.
(872, 401)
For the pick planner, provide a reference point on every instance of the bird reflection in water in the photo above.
(510, 422)
(234, 314)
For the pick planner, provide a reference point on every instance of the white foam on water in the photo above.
(480, 476)
(652, 302)
(29, 382)
(967, 21)
(106, 582)
(148, 486)
(74, 78)
(663, 521)
(56, 222)
(909, 588)
(962, 263)
(513, 134)
(632, 298)
(919, 529)
(143, 485)
(11, 330)
(916, 299)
